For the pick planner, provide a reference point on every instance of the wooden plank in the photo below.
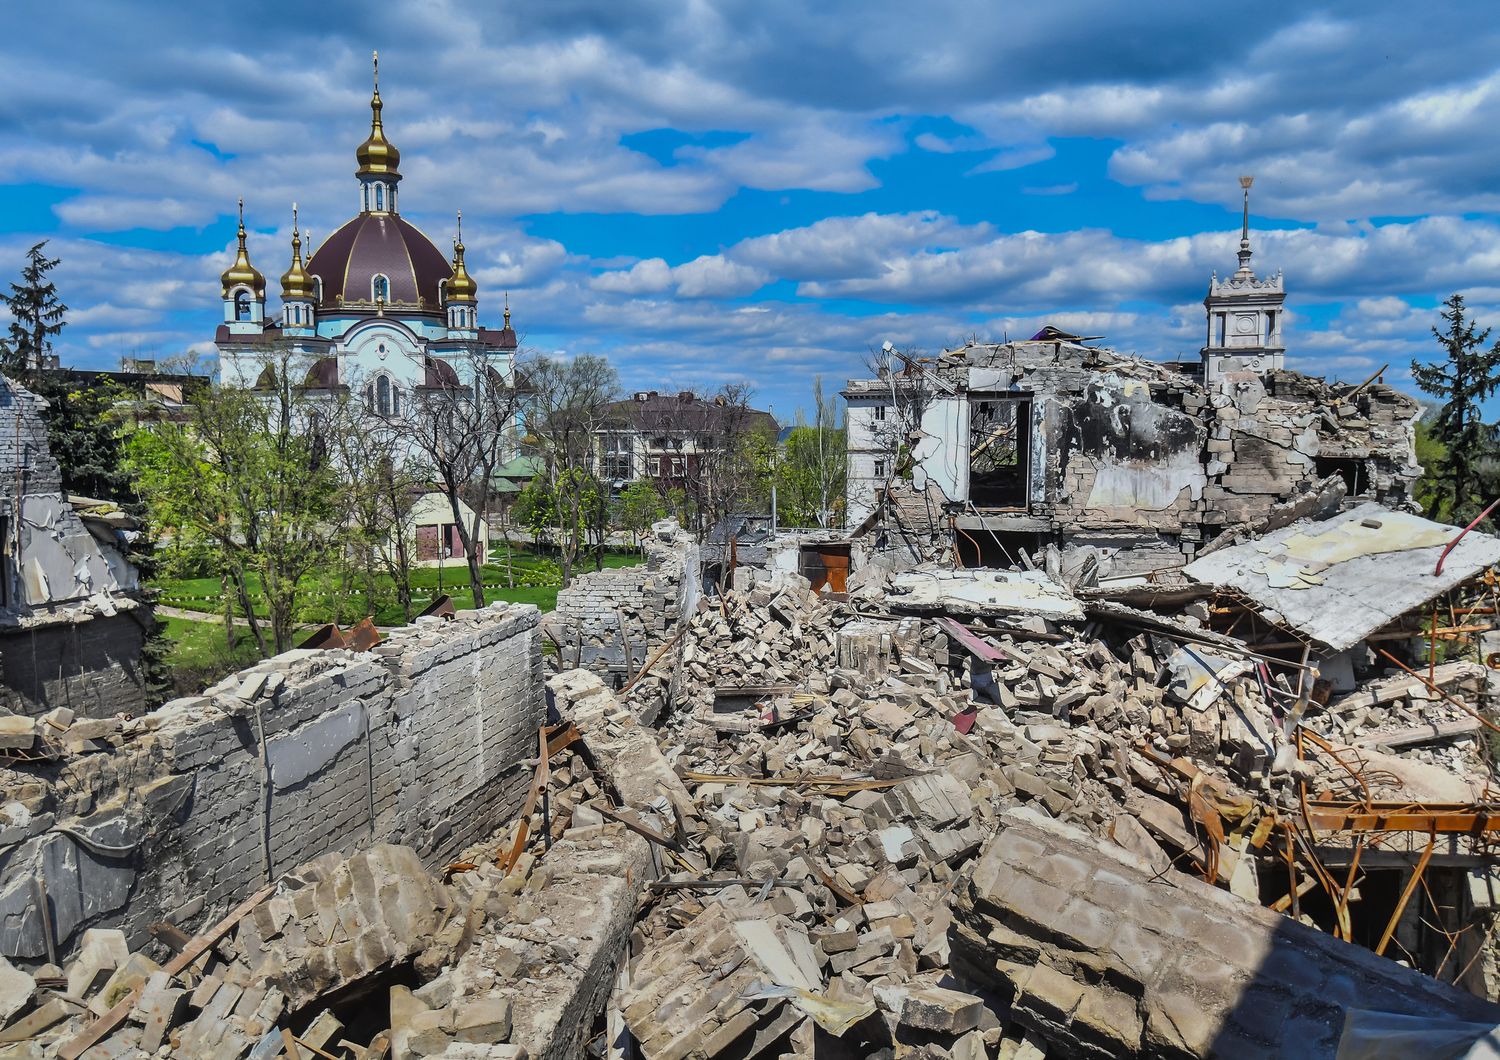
(507, 860)
(1420, 734)
(96, 1030)
(639, 829)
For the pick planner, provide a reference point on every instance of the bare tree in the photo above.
(912, 392)
(463, 425)
(569, 404)
(383, 482)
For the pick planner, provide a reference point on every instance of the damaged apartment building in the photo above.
(990, 448)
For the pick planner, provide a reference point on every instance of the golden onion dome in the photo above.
(242, 273)
(297, 283)
(461, 286)
(377, 156)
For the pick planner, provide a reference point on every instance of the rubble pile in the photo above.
(328, 924)
(776, 633)
(985, 816)
(846, 815)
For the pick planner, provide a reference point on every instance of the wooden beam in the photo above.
(96, 1030)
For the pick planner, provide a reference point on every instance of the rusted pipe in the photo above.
(1452, 544)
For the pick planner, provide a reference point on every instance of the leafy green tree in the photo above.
(569, 400)
(37, 312)
(811, 467)
(535, 508)
(1468, 374)
(248, 473)
(640, 506)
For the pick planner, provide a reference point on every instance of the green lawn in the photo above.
(199, 655)
(537, 580)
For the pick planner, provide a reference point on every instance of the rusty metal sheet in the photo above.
(980, 647)
(363, 636)
(441, 607)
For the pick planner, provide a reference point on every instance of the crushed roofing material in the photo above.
(1339, 581)
(984, 591)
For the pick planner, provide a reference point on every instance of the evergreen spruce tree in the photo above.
(38, 315)
(1468, 374)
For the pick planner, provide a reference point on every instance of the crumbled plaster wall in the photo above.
(71, 628)
(420, 742)
(59, 561)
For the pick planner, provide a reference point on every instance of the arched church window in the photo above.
(380, 289)
(242, 305)
(383, 395)
(380, 196)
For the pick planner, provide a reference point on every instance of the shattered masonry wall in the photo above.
(1106, 958)
(604, 611)
(90, 664)
(1126, 449)
(420, 742)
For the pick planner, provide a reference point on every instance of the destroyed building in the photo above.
(993, 447)
(72, 616)
(1220, 786)
(949, 814)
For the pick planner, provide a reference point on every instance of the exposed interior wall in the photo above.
(1127, 447)
(66, 638)
(51, 560)
(420, 742)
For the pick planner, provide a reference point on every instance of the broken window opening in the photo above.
(999, 452)
(997, 549)
(1351, 470)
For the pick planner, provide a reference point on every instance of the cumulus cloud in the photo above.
(1349, 113)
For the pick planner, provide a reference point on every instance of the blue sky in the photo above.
(728, 191)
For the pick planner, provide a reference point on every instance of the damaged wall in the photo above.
(1142, 453)
(610, 621)
(90, 663)
(419, 742)
(1108, 958)
(54, 574)
(613, 622)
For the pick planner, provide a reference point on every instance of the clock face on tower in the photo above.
(1244, 325)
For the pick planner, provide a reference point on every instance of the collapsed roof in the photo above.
(1337, 582)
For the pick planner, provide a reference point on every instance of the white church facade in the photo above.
(376, 310)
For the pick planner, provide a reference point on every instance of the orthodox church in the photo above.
(377, 307)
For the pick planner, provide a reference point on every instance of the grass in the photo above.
(537, 579)
(199, 656)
